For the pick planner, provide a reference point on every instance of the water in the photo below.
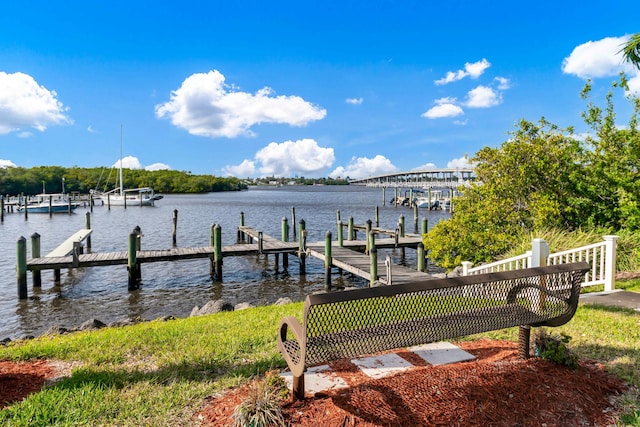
(174, 288)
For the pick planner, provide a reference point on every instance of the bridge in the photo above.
(421, 179)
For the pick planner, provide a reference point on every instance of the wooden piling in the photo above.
(175, 228)
(241, 235)
(425, 227)
(373, 256)
(366, 235)
(293, 221)
(377, 218)
(212, 243)
(285, 238)
(217, 234)
(132, 261)
(1, 208)
(401, 225)
(350, 229)
(138, 269)
(21, 267)
(302, 250)
(420, 257)
(327, 261)
(87, 225)
(383, 196)
(35, 253)
(338, 215)
(340, 232)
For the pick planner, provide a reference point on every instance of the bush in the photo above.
(554, 348)
(261, 408)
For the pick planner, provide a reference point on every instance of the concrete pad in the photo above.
(382, 366)
(442, 353)
(316, 379)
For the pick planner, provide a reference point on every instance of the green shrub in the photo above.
(554, 348)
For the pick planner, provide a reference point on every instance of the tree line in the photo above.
(17, 180)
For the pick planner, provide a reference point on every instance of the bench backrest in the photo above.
(549, 293)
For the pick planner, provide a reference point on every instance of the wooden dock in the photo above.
(348, 255)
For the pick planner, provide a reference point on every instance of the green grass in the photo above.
(159, 373)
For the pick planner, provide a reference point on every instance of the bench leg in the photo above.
(298, 387)
(524, 336)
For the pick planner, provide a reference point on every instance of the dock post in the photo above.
(302, 250)
(217, 234)
(87, 225)
(327, 261)
(340, 232)
(377, 217)
(240, 232)
(367, 248)
(338, 215)
(373, 256)
(350, 229)
(109, 202)
(293, 221)
(35, 253)
(420, 256)
(285, 238)
(383, 195)
(424, 226)
(90, 202)
(401, 224)
(260, 242)
(24, 204)
(395, 200)
(415, 218)
(1, 208)
(212, 243)
(138, 270)
(175, 228)
(21, 267)
(132, 261)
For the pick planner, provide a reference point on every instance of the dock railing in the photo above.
(601, 256)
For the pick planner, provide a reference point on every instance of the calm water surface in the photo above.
(174, 288)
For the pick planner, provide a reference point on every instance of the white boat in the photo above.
(143, 196)
(50, 202)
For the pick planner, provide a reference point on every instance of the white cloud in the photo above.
(156, 167)
(361, 167)
(426, 166)
(445, 107)
(245, 169)
(24, 103)
(7, 164)
(483, 97)
(129, 162)
(461, 163)
(601, 58)
(205, 105)
(303, 157)
(460, 122)
(634, 85)
(472, 70)
(503, 83)
(90, 129)
(354, 101)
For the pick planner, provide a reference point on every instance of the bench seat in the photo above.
(365, 321)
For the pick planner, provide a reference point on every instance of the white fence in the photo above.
(601, 256)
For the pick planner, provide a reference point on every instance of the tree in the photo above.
(631, 51)
(526, 184)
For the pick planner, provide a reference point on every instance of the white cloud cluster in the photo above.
(482, 96)
(132, 162)
(303, 157)
(354, 101)
(601, 58)
(472, 70)
(6, 164)
(205, 105)
(25, 103)
(461, 163)
(157, 167)
(362, 167)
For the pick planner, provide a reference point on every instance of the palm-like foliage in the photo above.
(631, 51)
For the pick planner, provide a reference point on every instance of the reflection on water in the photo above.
(175, 288)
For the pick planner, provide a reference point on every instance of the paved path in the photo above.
(618, 298)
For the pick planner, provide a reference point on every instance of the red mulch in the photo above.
(19, 379)
(497, 389)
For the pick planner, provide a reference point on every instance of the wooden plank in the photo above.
(66, 247)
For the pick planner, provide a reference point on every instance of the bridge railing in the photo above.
(601, 256)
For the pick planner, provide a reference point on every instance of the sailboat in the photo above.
(119, 196)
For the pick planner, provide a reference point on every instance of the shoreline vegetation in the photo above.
(19, 180)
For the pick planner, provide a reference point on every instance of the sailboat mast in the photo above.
(121, 184)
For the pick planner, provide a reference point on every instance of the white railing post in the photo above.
(610, 263)
(466, 265)
(539, 253)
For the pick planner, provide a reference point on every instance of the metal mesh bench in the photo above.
(365, 321)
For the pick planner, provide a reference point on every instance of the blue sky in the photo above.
(256, 88)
